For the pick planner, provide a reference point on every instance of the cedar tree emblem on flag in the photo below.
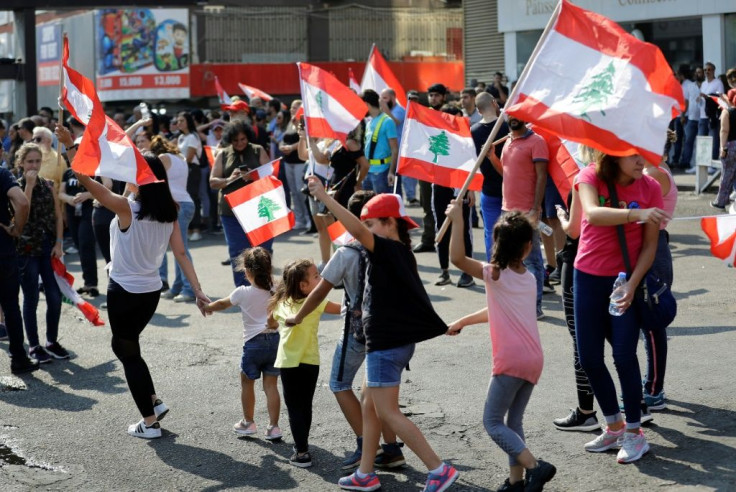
(267, 208)
(439, 145)
(595, 95)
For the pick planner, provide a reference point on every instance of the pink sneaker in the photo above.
(245, 428)
(273, 433)
(633, 447)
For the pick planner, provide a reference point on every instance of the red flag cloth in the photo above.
(261, 209)
(331, 109)
(252, 92)
(208, 150)
(563, 163)
(338, 234)
(222, 96)
(66, 284)
(105, 149)
(437, 147)
(721, 230)
(591, 82)
(353, 82)
(268, 169)
(378, 76)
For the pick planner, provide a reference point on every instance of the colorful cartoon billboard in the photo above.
(142, 54)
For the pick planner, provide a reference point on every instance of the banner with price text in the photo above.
(142, 54)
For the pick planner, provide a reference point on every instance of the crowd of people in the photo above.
(385, 306)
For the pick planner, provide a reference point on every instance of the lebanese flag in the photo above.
(222, 96)
(591, 82)
(210, 152)
(299, 113)
(721, 230)
(378, 76)
(66, 284)
(353, 82)
(252, 92)
(720, 102)
(261, 209)
(331, 109)
(564, 163)
(268, 169)
(338, 234)
(437, 147)
(105, 149)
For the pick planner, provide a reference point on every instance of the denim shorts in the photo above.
(383, 367)
(551, 198)
(354, 357)
(259, 355)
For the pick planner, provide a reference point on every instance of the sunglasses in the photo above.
(37, 139)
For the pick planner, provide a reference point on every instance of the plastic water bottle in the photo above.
(145, 113)
(618, 293)
(544, 228)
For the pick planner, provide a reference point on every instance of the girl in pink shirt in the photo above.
(517, 352)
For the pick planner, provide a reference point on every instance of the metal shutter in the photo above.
(483, 42)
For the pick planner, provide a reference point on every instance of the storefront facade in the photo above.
(687, 31)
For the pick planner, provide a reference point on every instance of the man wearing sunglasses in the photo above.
(709, 125)
(51, 167)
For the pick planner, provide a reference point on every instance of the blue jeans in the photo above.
(354, 357)
(181, 284)
(490, 206)
(9, 290)
(410, 187)
(383, 367)
(237, 241)
(535, 264)
(30, 269)
(691, 131)
(204, 190)
(655, 341)
(377, 182)
(593, 326)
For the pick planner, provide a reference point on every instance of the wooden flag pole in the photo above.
(497, 126)
(60, 121)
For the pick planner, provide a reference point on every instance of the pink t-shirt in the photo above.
(599, 252)
(512, 317)
(519, 158)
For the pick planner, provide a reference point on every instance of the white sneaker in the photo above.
(160, 409)
(690, 170)
(273, 433)
(633, 447)
(195, 236)
(608, 440)
(145, 432)
(245, 428)
(732, 196)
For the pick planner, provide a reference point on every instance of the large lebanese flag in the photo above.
(564, 161)
(222, 96)
(591, 82)
(252, 92)
(261, 209)
(378, 76)
(331, 109)
(437, 147)
(105, 149)
(721, 230)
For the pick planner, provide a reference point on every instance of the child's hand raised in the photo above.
(316, 189)
(454, 211)
(454, 328)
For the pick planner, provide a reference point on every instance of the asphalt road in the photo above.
(66, 430)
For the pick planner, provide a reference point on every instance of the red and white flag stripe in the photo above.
(591, 82)
(252, 92)
(66, 284)
(338, 234)
(721, 230)
(105, 149)
(378, 76)
(331, 109)
(437, 147)
(353, 82)
(261, 209)
(222, 96)
(564, 163)
(268, 169)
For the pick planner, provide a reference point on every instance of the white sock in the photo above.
(439, 469)
(360, 474)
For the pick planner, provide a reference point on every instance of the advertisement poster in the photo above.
(48, 53)
(142, 54)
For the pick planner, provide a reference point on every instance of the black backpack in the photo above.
(354, 317)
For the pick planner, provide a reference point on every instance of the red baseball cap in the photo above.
(238, 106)
(386, 205)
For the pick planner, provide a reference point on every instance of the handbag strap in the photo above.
(620, 229)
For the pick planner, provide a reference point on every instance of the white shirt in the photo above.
(136, 254)
(713, 87)
(190, 140)
(692, 93)
(178, 174)
(252, 302)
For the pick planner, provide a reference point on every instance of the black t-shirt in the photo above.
(72, 188)
(7, 182)
(396, 308)
(492, 181)
(344, 163)
(290, 138)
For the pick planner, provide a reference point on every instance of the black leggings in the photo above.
(129, 314)
(441, 197)
(298, 384)
(582, 384)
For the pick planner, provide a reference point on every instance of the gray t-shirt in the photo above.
(343, 267)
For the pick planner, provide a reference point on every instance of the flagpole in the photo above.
(60, 121)
(497, 126)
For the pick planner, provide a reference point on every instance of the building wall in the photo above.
(484, 44)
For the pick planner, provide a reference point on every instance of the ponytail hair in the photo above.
(289, 289)
(258, 262)
(511, 234)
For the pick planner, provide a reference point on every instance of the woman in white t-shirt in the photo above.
(190, 146)
(260, 343)
(142, 228)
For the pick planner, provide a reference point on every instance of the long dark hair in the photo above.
(258, 262)
(155, 198)
(402, 228)
(289, 289)
(191, 127)
(606, 167)
(511, 234)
